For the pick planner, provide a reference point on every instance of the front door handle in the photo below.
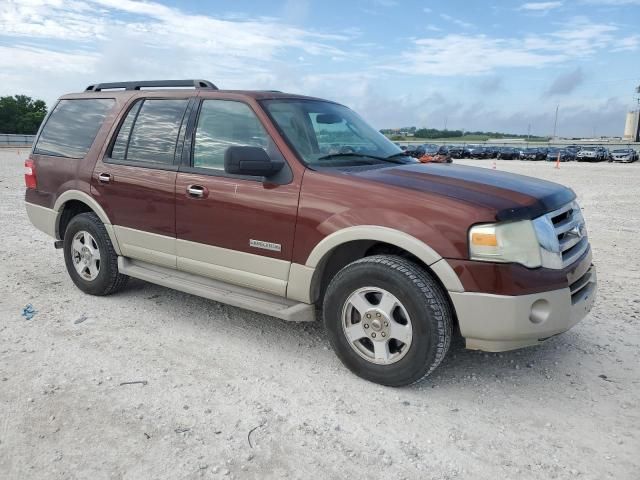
(104, 177)
(197, 191)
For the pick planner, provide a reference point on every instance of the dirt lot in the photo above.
(219, 377)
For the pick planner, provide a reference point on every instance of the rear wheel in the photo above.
(90, 258)
(387, 319)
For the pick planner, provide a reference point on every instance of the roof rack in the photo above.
(150, 84)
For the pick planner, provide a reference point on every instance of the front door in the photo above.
(232, 228)
(135, 181)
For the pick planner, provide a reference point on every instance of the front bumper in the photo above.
(496, 323)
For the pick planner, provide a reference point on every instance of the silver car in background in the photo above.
(625, 155)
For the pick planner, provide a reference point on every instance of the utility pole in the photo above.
(445, 123)
(528, 134)
(555, 123)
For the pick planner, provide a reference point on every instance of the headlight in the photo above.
(532, 243)
(505, 242)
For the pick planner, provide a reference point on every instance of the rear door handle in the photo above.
(104, 177)
(197, 191)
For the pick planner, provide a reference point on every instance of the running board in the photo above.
(222, 292)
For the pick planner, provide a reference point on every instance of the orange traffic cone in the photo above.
(558, 161)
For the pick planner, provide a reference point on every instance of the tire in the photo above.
(418, 297)
(91, 261)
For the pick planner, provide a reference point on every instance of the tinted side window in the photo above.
(150, 132)
(72, 127)
(222, 124)
(119, 151)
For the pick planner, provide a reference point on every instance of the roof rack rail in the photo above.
(150, 84)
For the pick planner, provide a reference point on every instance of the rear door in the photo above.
(237, 229)
(135, 181)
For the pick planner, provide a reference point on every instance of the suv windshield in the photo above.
(326, 134)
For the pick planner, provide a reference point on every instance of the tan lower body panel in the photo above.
(149, 247)
(240, 268)
(44, 219)
(264, 274)
(247, 298)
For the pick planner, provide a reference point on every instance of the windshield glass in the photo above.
(326, 134)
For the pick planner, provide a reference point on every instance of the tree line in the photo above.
(21, 114)
(434, 133)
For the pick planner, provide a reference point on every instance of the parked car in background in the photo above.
(625, 155)
(570, 155)
(592, 154)
(417, 151)
(411, 149)
(435, 154)
(565, 155)
(490, 151)
(530, 154)
(573, 149)
(476, 151)
(542, 153)
(508, 153)
(456, 151)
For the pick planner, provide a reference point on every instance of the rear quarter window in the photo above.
(72, 127)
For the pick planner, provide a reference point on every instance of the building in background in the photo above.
(632, 126)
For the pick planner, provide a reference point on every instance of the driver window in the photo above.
(223, 124)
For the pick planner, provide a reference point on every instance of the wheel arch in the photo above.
(74, 202)
(307, 283)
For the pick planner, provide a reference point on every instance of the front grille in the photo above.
(572, 234)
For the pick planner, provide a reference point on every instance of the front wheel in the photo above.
(388, 320)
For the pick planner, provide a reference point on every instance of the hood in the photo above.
(511, 196)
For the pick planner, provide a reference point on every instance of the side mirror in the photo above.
(253, 161)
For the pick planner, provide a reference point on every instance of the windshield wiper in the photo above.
(354, 154)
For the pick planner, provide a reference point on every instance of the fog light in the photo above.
(540, 311)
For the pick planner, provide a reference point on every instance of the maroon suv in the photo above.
(278, 203)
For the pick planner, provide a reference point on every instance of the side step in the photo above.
(222, 292)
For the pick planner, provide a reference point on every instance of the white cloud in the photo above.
(630, 43)
(157, 24)
(540, 6)
(460, 54)
(455, 21)
(456, 54)
(102, 40)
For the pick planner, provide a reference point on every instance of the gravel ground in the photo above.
(233, 394)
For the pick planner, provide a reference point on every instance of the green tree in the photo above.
(21, 114)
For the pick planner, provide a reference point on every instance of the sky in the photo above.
(470, 65)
